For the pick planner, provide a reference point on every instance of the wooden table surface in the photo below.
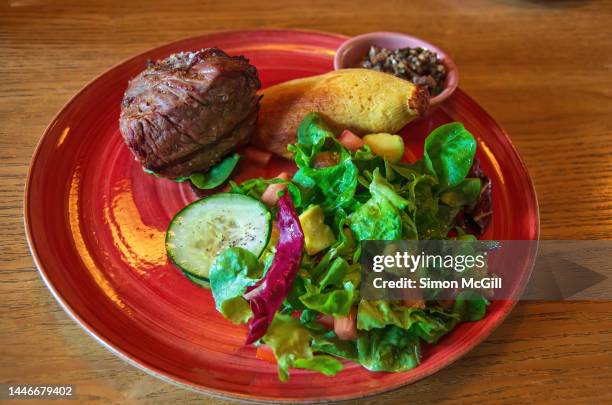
(543, 69)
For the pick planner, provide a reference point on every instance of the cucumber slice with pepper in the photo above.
(208, 226)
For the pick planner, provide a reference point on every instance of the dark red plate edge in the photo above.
(167, 377)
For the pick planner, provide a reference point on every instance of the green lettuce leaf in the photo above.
(217, 174)
(337, 302)
(327, 342)
(432, 323)
(429, 324)
(312, 134)
(381, 188)
(366, 160)
(363, 197)
(378, 314)
(465, 193)
(377, 219)
(380, 218)
(344, 247)
(330, 187)
(290, 343)
(385, 349)
(449, 154)
(232, 272)
(335, 274)
(388, 349)
(436, 224)
(213, 178)
(470, 306)
(256, 187)
(331, 294)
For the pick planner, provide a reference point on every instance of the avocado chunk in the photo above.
(317, 235)
(391, 147)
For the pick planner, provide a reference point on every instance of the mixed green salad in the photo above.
(290, 269)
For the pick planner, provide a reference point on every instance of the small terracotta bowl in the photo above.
(351, 53)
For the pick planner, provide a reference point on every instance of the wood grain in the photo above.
(541, 68)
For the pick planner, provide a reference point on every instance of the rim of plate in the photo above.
(223, 394)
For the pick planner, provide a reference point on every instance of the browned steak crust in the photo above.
(184, 113)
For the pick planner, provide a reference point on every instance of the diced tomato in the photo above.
(349, 140)
(414, 299)
(256, 155)
(265, 353)
(414, 303)
(447, 304)
(325, 159)
(270, 195)
(326, 320)
(346, 326)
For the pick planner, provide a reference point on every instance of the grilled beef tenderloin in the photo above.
(182, 114)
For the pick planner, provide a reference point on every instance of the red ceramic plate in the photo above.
(96, 226)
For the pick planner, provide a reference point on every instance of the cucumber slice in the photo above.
(208, 226)
(202, 282)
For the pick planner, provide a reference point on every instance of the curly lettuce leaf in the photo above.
(330, 187)
(344, 247)
(328, 342)
(336, 302)
(290, 343)
(377, 219)
(429, 324)
(380, 218)
(432, 323)
(388, 349)
(334, 276)
(232, 272)
(378, 314)
(333, 293)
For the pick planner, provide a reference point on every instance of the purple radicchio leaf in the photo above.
(267, 295)
(476, 218)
